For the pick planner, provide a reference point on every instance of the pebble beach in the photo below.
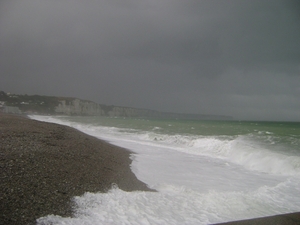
(44, 165)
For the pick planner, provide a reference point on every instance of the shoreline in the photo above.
(44, 165)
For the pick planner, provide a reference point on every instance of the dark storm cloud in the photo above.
(235, 57)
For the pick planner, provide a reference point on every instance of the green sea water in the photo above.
(277, 136)
(218, 170)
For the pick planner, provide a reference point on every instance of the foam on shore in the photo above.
(44, 165)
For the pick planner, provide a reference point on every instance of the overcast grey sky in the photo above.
(229, 57)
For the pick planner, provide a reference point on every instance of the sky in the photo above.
(239, 58)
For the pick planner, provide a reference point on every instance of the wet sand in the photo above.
(44, 165)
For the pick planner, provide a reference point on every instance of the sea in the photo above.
(204, 172)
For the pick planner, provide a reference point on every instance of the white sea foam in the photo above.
(174, 205)
(241, 150)
(199, 179)
(248, 153)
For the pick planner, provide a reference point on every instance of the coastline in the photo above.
(44, 165)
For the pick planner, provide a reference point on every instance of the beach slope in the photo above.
(44, 165)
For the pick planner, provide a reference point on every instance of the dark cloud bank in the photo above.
(233, 57)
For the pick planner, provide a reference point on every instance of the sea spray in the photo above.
(173, 205)
(215, 172)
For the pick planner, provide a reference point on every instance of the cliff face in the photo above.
(13, 103)
(11, 109)
(88, 108)
(78, 107)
